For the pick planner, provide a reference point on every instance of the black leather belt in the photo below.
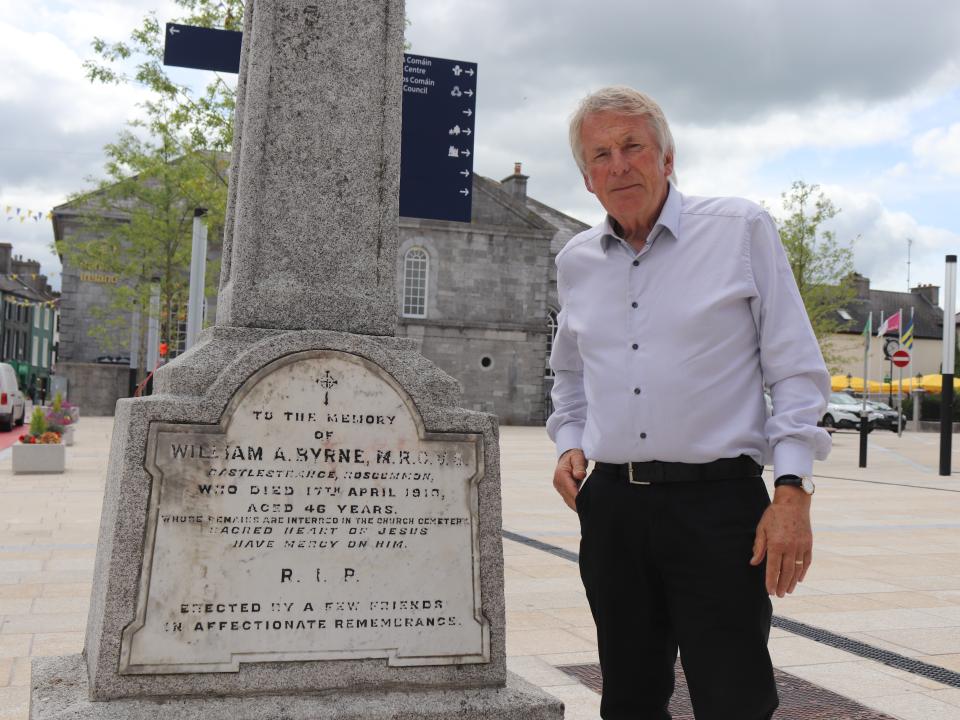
(655, 471)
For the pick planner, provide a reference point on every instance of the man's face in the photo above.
(623, 167)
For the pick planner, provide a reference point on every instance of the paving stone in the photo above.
(799, 700)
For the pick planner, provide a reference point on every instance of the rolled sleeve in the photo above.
(565, 425)
(790, 357)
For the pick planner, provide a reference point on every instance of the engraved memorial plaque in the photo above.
(318, 521)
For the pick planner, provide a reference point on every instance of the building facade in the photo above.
(848, 344)
(477, 297)
(29, 315)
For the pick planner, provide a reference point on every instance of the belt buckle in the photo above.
(630, 476)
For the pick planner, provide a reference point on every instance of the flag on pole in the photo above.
(867, 330)
(906, 340)
(890, 324)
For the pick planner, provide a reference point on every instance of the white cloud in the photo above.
(724, 159)
(940, 149)
(53, 121)
(880, 236)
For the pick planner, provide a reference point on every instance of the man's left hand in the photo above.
(784, 535)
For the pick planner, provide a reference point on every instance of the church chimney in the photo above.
(930, 292)
(516, 184)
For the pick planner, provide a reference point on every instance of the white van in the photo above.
(12, 405)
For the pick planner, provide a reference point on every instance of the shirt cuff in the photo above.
(792, 457)
(569, 436)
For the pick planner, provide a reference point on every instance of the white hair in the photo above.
(625, 101)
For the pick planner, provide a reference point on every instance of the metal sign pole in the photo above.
(900, 406)
(198, 271)
(949, 346)
(153, 327)
(866, 387)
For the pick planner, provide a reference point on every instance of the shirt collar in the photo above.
(669, 219)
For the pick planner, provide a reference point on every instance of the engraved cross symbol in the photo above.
(327, 383)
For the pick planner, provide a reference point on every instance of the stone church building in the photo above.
(479, 298)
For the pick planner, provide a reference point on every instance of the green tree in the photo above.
(821, 264)
(168, 161)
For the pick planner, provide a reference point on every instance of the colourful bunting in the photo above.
(24, 214)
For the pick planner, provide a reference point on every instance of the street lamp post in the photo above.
(949, 345)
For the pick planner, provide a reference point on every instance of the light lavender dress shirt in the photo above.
(664, 354)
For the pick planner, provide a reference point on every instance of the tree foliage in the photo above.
(138, 227)
(821, 264)
(172, 158)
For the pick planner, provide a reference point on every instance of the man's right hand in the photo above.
(571, 471)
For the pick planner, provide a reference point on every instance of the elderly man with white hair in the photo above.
(676, 311)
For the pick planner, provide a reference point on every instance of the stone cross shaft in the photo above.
(311, 227)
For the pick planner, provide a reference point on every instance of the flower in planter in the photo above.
(61, 406)
(57, 421)
(39, 431)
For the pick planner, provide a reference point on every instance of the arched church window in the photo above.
(416, 264)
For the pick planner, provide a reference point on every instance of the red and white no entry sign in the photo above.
(901, 358)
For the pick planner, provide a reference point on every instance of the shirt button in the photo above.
(636, 262)
(636, 391)
(633, 304)
(635, 346)
(643, 436)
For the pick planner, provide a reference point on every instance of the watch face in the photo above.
(808, 485)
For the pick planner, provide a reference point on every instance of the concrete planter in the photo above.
(67, 436)
(39, 458)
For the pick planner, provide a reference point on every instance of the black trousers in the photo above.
(666, 566)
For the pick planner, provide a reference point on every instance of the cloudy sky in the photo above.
(859, 96)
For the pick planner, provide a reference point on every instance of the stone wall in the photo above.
(487, 295)
(501, 371)
(95, 387)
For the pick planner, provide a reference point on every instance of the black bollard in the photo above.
(946, 424)
(864, 431)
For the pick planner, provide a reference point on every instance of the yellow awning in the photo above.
(930, 383)
(839, 383)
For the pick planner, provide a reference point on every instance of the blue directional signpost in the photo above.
(436, 156)
(439, 105)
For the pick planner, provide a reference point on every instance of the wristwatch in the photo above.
(804, 482)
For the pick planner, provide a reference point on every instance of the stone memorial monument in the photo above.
(301, 523)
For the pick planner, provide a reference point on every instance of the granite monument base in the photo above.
(193, 615)
(60, 692)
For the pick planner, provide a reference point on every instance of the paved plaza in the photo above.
(885, 578)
